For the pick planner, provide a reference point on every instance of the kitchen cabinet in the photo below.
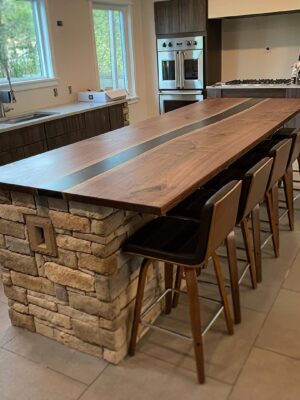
(175, 17)
(63, 131)
(116, 117)
(192, 16)
(21, 143)
(97, 122)
(167, 17)
(35, 139)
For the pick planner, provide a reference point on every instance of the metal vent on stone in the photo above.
(41, 235)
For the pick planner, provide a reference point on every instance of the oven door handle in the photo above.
(200, 67)
(177, 70)
(181, 63)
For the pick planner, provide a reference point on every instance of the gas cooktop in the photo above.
(259, 82)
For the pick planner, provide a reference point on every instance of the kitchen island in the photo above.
(64, 215)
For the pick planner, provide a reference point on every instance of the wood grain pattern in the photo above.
(158, 179)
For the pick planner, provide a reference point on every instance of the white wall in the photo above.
(75, 62)
(73, 56)
(245, 41)
(224, 8)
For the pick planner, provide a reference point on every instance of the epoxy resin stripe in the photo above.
(114, 161)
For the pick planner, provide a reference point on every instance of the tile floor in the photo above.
(261, 361)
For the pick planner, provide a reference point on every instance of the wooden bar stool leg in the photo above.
(223, 294)
(234, 278)
(168, 285)
(249, 251)
(272, 223)
(194, 309)
(179, 276)
(288, 191)
(255, 216)
(275, 202)
(138, 305)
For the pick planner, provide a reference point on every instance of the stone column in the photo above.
(64, 274)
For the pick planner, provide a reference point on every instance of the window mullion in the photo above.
(40, 42)
(113, 51)
(123, 47)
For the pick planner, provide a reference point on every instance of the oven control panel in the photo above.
(188, 43)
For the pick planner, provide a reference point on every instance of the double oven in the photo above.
(180, 71)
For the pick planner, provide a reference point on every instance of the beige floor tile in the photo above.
(21, 379)
(7, 332)
(56, 356)
(146, 378)
(281, 330)
(292, 281)
(224, 354)
(268, 376)
(274, 272)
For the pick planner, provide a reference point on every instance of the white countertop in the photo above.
(59, 112)
(254, 86)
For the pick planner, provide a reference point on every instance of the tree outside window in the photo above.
(112, 46)
(22, 47)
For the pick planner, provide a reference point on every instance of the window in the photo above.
(113, 47)
(24, 45)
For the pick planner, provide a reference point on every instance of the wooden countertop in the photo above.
(151, 166)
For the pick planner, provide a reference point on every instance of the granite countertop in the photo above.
(254, 86)
(62, 111)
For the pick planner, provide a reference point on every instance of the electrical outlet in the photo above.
(55, 92)
(70, 89)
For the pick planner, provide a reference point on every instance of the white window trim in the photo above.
(126, 7)
(43, 33)
(23, 85)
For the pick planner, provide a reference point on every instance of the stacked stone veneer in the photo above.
(84, 297)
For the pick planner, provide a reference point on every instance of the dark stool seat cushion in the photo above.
(170, 239)
(290, 133)
(191, 207)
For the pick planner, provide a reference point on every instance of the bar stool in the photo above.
(188, 244)
(254, 186)
(280, 152)
(294, 135)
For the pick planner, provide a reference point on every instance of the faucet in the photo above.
(4, 108)
(6, 96)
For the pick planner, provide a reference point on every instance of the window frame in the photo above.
(125, 8)
(41, 22)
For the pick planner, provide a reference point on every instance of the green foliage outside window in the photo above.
(18, 40)
(111, 63)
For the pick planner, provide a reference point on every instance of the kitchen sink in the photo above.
(25, 118)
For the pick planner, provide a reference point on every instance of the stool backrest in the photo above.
(222, 208)
(281, 153)
(295, 152)
(255, 184)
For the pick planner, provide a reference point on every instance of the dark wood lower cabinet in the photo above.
(35, 139)
(97, 122)
(116, 117)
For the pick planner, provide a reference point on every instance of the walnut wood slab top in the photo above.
(151, 166)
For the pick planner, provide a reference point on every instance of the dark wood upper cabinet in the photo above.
(192, 15)
(180, 16)
(166, 17)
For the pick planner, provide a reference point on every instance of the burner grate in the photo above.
(259, 82)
